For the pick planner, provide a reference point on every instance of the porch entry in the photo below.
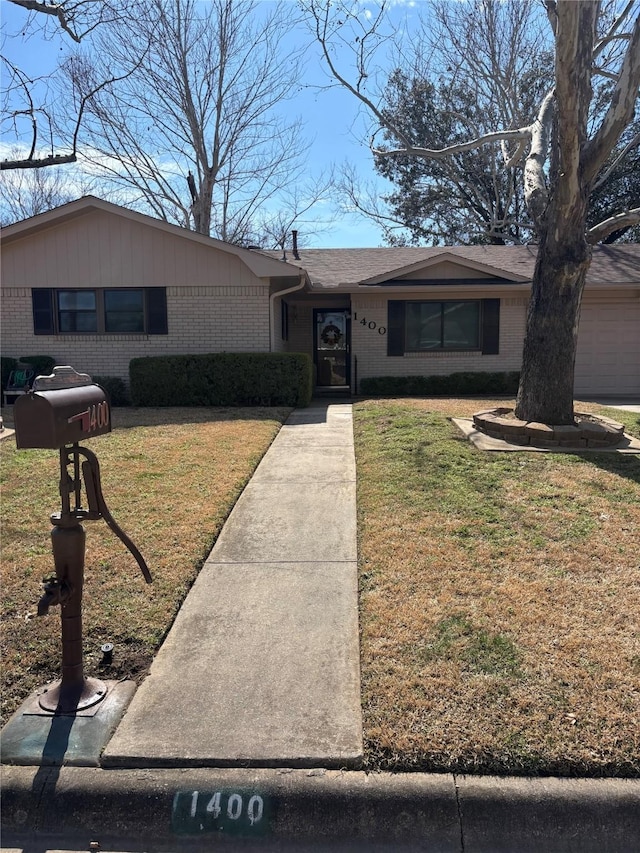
(332, 348)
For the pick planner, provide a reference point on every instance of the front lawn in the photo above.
(170, 478)
(500, 599)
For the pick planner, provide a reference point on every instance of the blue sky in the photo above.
(333, 118)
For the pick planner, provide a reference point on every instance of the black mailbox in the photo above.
(63, 408)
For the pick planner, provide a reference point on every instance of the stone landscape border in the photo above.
(589, 431)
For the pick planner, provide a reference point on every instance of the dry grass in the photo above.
(500, 599)
(170, 478)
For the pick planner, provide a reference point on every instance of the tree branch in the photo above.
(55, 9)
(37, 163)
(535, 185)
(521, 134)
(621, 109)
(604, 177)
(614, 223)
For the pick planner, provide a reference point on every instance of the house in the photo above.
(94, 285)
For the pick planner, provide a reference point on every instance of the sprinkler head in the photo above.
(107, 653)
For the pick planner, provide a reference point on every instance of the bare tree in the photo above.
(28, 192)
(294, 209)
(28, 115)
(200, 133)
(565, 148)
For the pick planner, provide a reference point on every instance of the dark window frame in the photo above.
(76, 312)
(111, 312)
(443, 348)
(489, 327)
(46, 311)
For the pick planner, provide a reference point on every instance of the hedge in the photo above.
(454, 384)
(115, 388)
(222, 379)
(42, 364)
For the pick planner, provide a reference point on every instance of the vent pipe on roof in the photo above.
(294, 238)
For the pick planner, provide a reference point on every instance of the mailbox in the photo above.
(63, 408)
(59, 412)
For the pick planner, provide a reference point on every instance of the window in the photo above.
(434, 326)
(141, 310)
(442, 325)
(77, 311)
(124, 311)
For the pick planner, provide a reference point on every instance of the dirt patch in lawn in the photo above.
(500, 599)
(170, 478)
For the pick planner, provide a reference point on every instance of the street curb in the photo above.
(150, 809)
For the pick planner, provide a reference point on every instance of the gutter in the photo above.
(272, 299)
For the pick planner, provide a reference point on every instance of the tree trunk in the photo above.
(545, 394)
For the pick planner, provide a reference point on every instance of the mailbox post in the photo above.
(60, 411)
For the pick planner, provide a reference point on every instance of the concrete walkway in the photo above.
(262, 664)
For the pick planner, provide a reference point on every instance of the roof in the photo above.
(348, 269)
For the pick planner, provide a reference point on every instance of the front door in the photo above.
(332, 348)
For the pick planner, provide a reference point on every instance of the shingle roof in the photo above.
(347, 268)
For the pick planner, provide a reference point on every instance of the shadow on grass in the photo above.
(127, 418)
(616, 463)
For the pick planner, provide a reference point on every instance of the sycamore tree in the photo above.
(566, 149)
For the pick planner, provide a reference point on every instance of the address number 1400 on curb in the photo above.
(233, 812)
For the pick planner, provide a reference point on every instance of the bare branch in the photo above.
(535, 184)
(37, 163)
(612, 33)
(55, 9)
(601, 231)
(521, 135)
(633, 143)
(621, 108)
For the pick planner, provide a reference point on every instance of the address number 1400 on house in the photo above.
(369, 324)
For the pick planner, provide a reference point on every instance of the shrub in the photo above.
(115, 388)
(461, 384)
(222, 379)
(42, 364)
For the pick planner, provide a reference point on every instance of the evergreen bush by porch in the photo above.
(465, 383)
(221, 379)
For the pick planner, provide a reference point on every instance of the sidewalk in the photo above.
(248, 728)
(262, 664)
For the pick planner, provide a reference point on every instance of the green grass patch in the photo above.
(499, 599)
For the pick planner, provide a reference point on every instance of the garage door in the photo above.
(608, 356)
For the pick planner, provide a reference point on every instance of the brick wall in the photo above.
(369, 343)
(200, 319)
